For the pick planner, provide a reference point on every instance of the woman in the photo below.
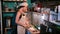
(22, 20)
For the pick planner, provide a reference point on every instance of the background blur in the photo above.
(44, 14)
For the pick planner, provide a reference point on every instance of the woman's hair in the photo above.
(19, 7)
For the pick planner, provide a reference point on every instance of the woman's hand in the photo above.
(34, 31)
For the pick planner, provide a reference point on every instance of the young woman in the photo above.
(22, 20)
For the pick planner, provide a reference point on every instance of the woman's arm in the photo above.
(17, 17)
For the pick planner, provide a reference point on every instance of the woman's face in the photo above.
(25, 8)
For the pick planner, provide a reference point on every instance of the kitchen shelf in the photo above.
(9, 12)
(13, 1)
(7, 29)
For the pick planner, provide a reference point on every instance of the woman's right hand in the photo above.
(34, 31)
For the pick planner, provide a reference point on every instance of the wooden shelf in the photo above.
(6, 30)
(10, 12)
(14, 1)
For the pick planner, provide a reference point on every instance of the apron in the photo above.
(20, 29)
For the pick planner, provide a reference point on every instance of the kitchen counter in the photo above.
(57, 23)
(54, 26)
(52, 23)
